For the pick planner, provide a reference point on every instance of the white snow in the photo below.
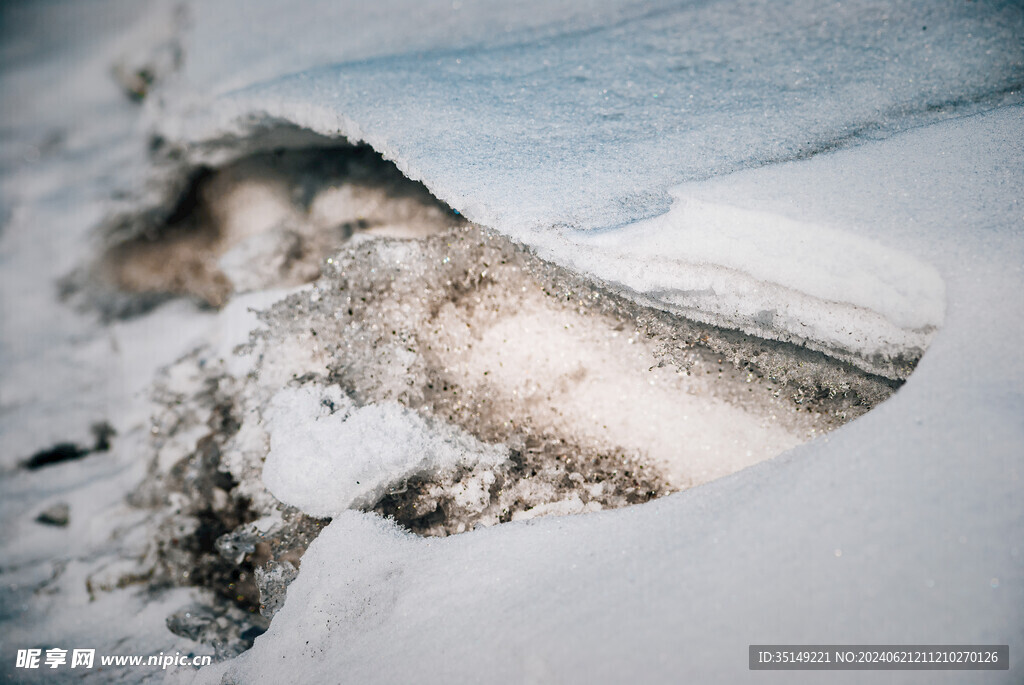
(593, 126)
(327, 456)
(695, 154)
(773, 276)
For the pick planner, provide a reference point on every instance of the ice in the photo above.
(327, 456)
(594, 399)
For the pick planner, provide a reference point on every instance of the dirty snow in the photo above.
(902, 527)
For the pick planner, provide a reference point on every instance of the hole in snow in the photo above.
(265, 220)
(68, 451)
(433, 372)
(595, 401)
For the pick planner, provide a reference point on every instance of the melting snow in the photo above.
(844, 176)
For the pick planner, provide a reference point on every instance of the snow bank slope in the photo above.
(588, 125)
(902, 527)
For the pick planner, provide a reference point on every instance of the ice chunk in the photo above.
(327, 456)
(595, 396)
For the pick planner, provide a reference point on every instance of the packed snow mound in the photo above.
(549, 122)
(596, 402)
(521, 129)
(327, 456)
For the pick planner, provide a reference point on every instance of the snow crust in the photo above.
(772, 276)
(589, 126)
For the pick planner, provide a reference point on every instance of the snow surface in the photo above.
(903, 527)
(591, 127)
(573, 128)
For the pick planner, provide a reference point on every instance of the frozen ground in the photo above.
(845, 177)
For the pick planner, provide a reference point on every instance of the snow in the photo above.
(349, 457)
(776, 277)
(593, 126)
(590, 127)
(580, 377)
(872, 151)
(902, 527)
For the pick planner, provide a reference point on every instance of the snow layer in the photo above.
(903, 527)
(772, 276)
(558, 131)
(590, 126)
